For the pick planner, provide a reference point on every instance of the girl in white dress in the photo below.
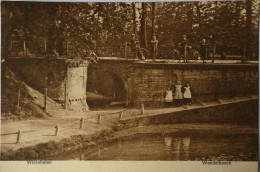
(168, 98)
(178, 94)
(187, 94)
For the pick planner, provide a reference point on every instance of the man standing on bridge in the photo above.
(154, 42)
(213, 47)
(134, 43)
(203, 50)
(183, 46)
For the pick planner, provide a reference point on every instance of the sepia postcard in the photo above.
(130, 85)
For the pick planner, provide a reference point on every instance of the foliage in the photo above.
(223, 19)
(82, 29)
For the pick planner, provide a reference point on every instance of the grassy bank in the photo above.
(30, 101)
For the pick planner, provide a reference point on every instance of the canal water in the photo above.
(176, 147)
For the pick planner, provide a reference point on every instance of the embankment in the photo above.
(238, 113)
(241, 112)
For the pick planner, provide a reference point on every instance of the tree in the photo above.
(105, 28)
(153, 17)
(248, 28)
(143, 34)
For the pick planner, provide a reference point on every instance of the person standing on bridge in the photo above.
(134, 44)
(183, 47)
(203, 50)
(154, 42)
(213, 46)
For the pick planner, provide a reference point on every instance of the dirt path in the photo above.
(36, 131)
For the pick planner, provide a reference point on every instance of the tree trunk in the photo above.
(25, 8)
(51, 36)
(7, 27)
(248, 28)
(153, 50)
(134, 18)
(199, 16)
(190, 18)
(153, 18)
(143, 36)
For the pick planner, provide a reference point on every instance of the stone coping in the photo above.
(189, 108)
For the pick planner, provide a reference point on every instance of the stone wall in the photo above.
(147, 82)
(243, 112)
(41, 73)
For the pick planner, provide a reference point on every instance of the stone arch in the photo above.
(108, 84)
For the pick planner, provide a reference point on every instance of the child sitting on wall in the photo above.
(187, 94)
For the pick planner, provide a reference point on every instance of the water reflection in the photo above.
(82, 157)
(177, 146)
(168, 143)
(119, 144)
(98, 152)
(185, 147)
(174, 147)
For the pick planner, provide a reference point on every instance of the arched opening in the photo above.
(105, 89)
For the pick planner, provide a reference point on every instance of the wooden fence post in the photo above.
(81, 123)
(45, 100)
(24, 48)
(125, 50)
(244, 50)
(18, 136)
(66, 92)
(142, 109)
(67, 47)
(57, 129)
(18, 99)
(121, 115)
(99, 119)
(45, 45)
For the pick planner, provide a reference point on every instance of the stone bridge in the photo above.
(134, 81)
(147, 81)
